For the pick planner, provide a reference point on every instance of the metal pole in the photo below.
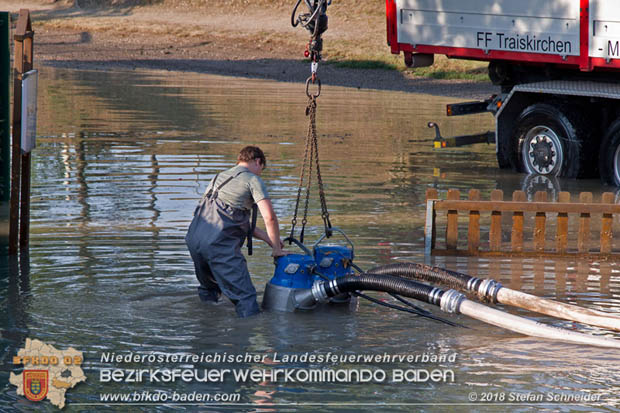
(5, 107)
(24, 227)
(18, 69)
(23, 62)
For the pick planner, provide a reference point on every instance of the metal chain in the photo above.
(301, 184)
(315, 144)
(311, 157)
(311, 111)
(317, 16)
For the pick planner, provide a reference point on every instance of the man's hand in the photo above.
(262, 235)
(279, 252)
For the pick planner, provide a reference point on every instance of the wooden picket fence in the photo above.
(538, 227)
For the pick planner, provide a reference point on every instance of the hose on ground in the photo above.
(411, 308)
(322, 291)
(434, 275)
(450, 301)
(492, 291)
(397, 297)
(426, 314)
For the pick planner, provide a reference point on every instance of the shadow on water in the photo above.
(16, 274)
(291, 70)
(15, 299)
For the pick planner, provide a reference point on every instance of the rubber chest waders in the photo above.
(214, 240)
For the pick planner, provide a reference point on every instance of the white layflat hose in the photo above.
(493, 291)
(454, 302)
(558, 309)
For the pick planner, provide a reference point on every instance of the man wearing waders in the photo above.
(222, 223)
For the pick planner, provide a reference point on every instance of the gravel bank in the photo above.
(149, 38)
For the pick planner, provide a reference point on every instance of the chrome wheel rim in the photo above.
(617, 165)
(542, 151)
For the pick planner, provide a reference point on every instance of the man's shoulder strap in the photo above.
(214, 191)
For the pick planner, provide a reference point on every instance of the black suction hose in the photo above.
(413, 309)
(399, 298)
(386, 283)
(451, 279)
(323, 291)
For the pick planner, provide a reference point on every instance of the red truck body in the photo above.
(584, 61)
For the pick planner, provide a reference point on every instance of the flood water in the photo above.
(122, 159)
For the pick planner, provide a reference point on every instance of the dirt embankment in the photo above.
(228, 37)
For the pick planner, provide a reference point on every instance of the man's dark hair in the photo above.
(252, 152)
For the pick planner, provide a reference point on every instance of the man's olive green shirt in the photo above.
(243, 190)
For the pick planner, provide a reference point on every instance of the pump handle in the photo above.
(336, 229)
(299, 244)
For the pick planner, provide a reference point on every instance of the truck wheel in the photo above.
(609, 156)
(548, 141)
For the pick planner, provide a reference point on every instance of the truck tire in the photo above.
(548, 140)
(609, 155)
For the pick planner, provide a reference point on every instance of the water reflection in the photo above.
(121, 161)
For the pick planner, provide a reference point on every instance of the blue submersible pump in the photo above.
(305, 281)
(299, 272)
(334, 261)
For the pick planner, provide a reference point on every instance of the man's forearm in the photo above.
(271, 225)
(273, 233)
(262, 235)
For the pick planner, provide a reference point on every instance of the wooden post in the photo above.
(562, 226)
(429, 229)
(24, 224)
(495, 234)
(23, 60)
(583, 240)
(517, 223)
(539, 223)
(473, 231)
(5, 107)
(606, 225)
(452, 228)
(18, 69)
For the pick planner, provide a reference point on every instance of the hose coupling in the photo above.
(435, 296)
(333, 286)
(473, 283)
(488, 290)
(451, 301)
(319, 293)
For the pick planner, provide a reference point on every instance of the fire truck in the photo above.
(557, 65)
